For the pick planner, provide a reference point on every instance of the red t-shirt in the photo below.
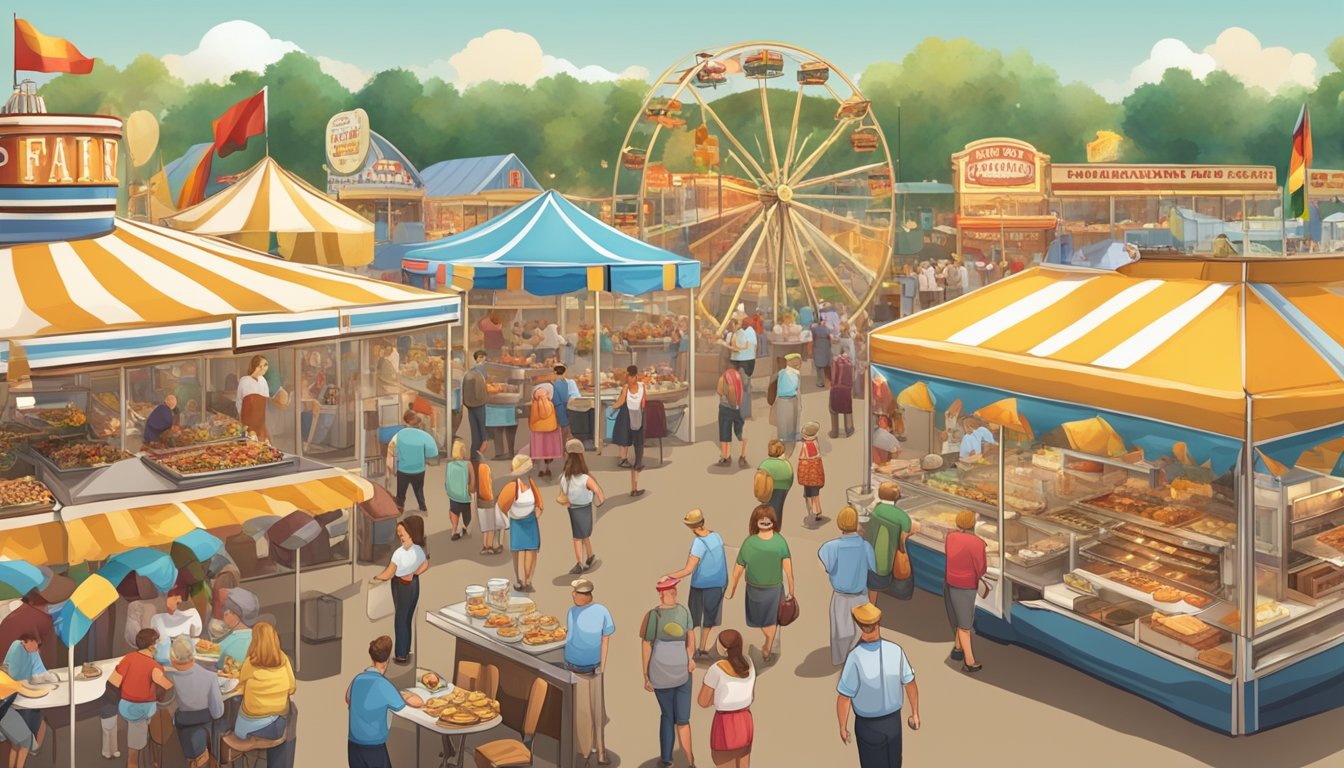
(137, 677)
(965, 560)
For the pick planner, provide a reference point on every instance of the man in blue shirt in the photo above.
(590, 630)
(976, 438)
(847, 560)
(743, 355)
(371, 698)
(560, 398)
(875, 682)
(23, 663)
(708, 568)
(411, 447)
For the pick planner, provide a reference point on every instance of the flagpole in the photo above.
(266, 109)
(15, 68)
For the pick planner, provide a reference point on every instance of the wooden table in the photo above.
(420, 718)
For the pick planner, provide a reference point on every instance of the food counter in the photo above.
(519, 663)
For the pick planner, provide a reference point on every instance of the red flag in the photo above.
(241, 122)
(36, 52)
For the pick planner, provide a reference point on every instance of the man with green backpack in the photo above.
(888, 528)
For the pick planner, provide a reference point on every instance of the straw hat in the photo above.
(810, 429)
(521, 464)
(867, 614)
(695, 518)
(573, 446)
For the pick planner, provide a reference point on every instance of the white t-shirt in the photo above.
(634, 399)
(183, 621)
(525, 505)
(731, 694)
(407, 560)
(248, 385)
(576, 490)
(928, 279)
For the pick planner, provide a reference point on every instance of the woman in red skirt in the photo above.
(729, 688)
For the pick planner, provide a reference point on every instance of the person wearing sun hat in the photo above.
(590, 629)
(811, 474)
(874, 684)
(520, 500)
(966, 566)
(667, 650)
(707, 565)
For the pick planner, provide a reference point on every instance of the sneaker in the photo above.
(577, 569)
(725, 461)
(456, 536)
(742, 462)
(958, 654)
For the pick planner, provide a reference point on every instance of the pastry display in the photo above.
(497, 620)
(1073, 520)
(24, 492)
(1133, 504)
(1198, 601)
(544, 636)
(241, 454)
(79, 454)
(1216, 658)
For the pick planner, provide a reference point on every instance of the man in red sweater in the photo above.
(966, 566)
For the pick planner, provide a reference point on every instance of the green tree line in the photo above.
(939, 97)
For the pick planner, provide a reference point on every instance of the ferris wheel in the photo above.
(764, 162)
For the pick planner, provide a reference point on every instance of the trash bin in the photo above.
(321, 619)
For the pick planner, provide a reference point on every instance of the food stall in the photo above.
(493, 626)
(549, 249)
(1161, 481)
(1002, 214)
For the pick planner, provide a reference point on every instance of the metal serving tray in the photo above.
(177, 477)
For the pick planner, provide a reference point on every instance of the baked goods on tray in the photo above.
(1168, 595)
(1216, 658)
(544, 636)
(1197, 601)
(497, 620)
(1333, 539)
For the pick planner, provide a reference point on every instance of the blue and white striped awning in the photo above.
(548, 246)
(144, 291)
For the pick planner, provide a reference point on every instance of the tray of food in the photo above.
(1129, 535)
(216, 460)
(1148, 562)
(206, 650)
(1141, 508)
(76, 455)
(1139, 586)
(23, 496)
(64, 419)
(1189, 630)
(216, 429)
(459, 708)
(1037, 552)
(1074, 520)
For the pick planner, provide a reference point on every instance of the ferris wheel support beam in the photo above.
(721, 266)
(826, 265)
(746, 272)
(758, 182)
(844, 254)
(813, 158)
(836, 217)
(819, 180)
(770, 132)
(793, 134)
(729, 218)
(729, 135)
(796, 256)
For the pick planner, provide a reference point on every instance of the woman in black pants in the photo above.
(628, 431)
(408, 562)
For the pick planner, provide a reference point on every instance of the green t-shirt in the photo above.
(781, 471)
(764, 560)
(885, 527)
(667, 623)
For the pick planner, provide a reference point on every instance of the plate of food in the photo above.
(206, 649)
(544, 636)
(88, 672)
(509, 634)
(498, 620)
(433, 682)
(478, 611)
(231, 668)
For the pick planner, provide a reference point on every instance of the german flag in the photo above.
(36, 52)
(1299, 165)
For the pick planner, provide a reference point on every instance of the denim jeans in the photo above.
(674, 707)
(476, 417)
(404, 598)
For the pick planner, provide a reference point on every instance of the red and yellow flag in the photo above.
(1299, 165)
(36, 52)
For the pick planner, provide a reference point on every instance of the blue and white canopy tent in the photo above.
(550, 247)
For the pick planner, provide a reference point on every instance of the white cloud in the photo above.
(1239, 53)
(591, 73)
(227, 48)
(1236, 51)
(348, 75)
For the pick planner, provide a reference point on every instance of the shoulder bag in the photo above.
(788, 611)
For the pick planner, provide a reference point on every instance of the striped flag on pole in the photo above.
(1299, 165)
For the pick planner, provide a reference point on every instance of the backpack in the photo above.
(732, 385)
(772, 391)
(763, 486)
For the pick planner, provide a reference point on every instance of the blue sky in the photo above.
(1099, 48)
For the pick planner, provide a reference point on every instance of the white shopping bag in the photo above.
(379, 601)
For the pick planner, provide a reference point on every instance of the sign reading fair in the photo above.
(58, 160)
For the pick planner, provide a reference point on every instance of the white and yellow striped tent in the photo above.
(142, 291)
(269, 202)
(1201, 344)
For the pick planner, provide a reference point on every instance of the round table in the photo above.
(85, 691)
(419, 717)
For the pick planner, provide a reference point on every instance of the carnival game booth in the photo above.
(122, 337)
(1161, 501)
(270, 209)
(547, 262)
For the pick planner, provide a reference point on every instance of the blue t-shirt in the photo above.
(788, 383)
(588, 624)
(974, 442)
(235, 646)
(848, 560)
(372, 698)
(712, 570)
(874, 678)
(561, 399)
(746, 338)
(414, 446)
(22, 664)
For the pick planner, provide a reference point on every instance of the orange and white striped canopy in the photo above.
(98, 530)
(142, 291)
(267, 201)
(1162, 340)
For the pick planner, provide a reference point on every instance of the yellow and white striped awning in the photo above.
(141, 290)
(267, 201)
(98, 530)
(1160, 341)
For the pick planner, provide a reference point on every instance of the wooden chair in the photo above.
(510, 753)
(471, 676)
(236, 750)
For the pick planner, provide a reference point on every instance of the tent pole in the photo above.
(70, 691)
(866, 381)
(298, 639)
(354, 544)
(690, 370)
(599, 424)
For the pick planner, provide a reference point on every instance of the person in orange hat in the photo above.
(668, 648)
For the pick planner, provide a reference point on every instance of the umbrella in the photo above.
(916, 395)
(1094, 436)
(1005, 413)
(22, 577)
(99, 591)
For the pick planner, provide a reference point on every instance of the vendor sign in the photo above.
(1116, 179)
(347, 141)
(1000, 165)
